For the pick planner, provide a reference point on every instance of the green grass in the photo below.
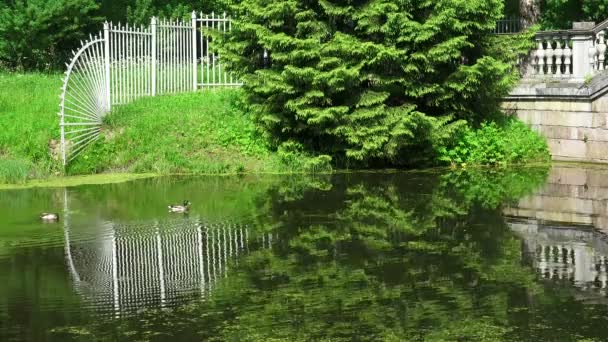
(203, 133)
(28, 121)
(206, 132)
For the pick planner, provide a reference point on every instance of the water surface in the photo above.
(514, 254)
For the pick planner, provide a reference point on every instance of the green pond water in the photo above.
(468, 255)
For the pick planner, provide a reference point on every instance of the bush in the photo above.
(509, 142)
(366, 83)
(140, 11)
(39, 34)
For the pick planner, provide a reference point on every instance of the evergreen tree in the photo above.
(367, 81)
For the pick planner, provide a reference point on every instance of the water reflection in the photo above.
(394, 256)
(152, 264)
(563, 227)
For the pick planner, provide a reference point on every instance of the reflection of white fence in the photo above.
(157, 264)
(124, 63)
(119, 268)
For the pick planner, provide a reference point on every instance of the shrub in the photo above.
(140, 11)
(369, 82)
(39, 34)
(493, 143)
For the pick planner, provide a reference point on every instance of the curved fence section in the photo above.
(125, 63)
(84, 98)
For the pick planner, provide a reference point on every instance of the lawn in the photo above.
(207, 132)
(29, 104)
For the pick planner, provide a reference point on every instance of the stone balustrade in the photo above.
(563, 92)
(552, 56)
(576, 54)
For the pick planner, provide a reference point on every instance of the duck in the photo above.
(176, 208)
(49, 217)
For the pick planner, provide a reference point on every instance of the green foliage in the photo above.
(559, 14)
(595, 10)
(140, 12)
(39, 34)
(491, 187)
(509, 142)
(368, 83)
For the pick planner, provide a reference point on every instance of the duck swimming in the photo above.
(49, 217)
(180, 208)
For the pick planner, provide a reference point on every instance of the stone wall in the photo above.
(573, 117)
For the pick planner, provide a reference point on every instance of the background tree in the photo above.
(529, 11)
(40, 34)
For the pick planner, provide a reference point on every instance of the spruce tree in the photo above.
(366, 81)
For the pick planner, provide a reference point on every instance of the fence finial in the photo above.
(193, 14)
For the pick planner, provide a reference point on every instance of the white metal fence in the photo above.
(124, 63)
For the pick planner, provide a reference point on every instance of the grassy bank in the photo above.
(28, 122)
(206, 133)
(186, 133)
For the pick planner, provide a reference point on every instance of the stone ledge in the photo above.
(534, 88)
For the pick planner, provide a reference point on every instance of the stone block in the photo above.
(553, 105)
(576, 149)
(558, 132)
(597, 179)
(583, 25)
(597, 150)
(599, 120)
(591, 134)
(565, 118)
(531, 117)
(600, 105)
(559, 204)
(567, 175)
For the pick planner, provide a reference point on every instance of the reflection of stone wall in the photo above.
(575, 196)
(564, 254)
(563, 227)
(154, 264)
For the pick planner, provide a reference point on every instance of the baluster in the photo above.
(555, 254)
(592, 57)
(601, 50)
(540, 54)
(559, 53)
(549, 53)
(567, 56)
(541, 259)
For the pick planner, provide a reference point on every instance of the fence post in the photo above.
(194, 53)
(153, 52)
(106, 46)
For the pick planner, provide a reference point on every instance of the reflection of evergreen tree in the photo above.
(369, 257)
(400, 258)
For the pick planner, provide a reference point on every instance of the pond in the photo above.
(482, 255)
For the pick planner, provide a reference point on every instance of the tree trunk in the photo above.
(530, 12)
